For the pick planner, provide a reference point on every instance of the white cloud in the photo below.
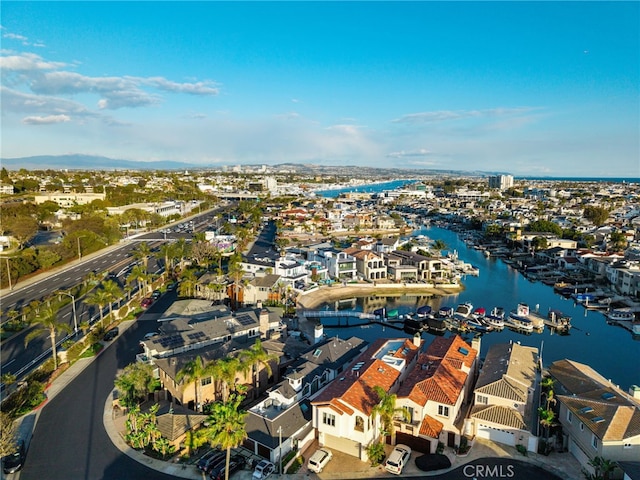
(27, 62)
(20, 102)
(197, 88)
(421, 152)
(445, 115)
(47, 120)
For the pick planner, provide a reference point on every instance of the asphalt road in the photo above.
(69, 441)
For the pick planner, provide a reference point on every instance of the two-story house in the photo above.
(597, 417)
(370, 265)
(343, 413)
(282, 421)
(505, 402)
(434, 393)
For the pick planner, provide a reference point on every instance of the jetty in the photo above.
(350, 318)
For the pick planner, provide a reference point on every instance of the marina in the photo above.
(499, 288)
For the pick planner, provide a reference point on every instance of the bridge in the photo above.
(340, 314)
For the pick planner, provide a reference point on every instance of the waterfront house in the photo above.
(261, 289)
(429, 268)
(370, 265)
(434, 394)
(505, 404)
(343, 413)
(597, 417)
(339, 265)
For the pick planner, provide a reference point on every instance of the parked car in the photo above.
(146, 302)
(235, 463)
(150, 335)
(12, 463)
(156, 294)
(319, 460)
(209, 459)
(398, 459)
(172, 286)
(263, 470)
(111, 334)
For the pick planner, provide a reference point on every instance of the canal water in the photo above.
(608, 349)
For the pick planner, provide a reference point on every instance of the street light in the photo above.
(9, 273)
(73, 308)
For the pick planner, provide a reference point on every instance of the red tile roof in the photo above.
(431, 427)
(437, 375)
(354, 390)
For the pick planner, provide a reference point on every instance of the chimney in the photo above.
(318, 333)
(417, 340)
(634, 391)
(264, 323)
(259, 304)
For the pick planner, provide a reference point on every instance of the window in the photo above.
(627, 445)
(205, 381)
(359, 424)
(329, 419)
(594, 441)
(581, 426)
(569, 416)
(408, 416)
(443, 411)
(483, 400)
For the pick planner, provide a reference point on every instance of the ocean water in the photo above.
(370, 188)
(608, 349)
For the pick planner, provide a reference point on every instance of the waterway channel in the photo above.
(608, 349)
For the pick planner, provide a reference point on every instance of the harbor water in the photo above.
(608, 349)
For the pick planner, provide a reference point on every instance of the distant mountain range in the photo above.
(89, 162)
(94, 162)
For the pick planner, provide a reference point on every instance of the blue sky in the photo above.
(545, 88)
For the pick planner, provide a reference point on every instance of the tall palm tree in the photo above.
(143, 252)
(226, 370)
(47, 321)
(255, 357)
(547, 420)
(138, 275)
(228, 426)
(194, 371)
(236, 272)
(167, 251)
(386, 409)
(101, 299)
(113, 292)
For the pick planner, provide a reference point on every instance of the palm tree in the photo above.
(227, 428)
(547, 384)
(386, 409)
(547, 417)
(112, 292)
(602, 466)
(143, 252)
(47, 320)
(226, 370)
(194, 371)
(439, 245)
(168, 252)
(99, 298)
(254, 357)
(236, 272)
(138, 275)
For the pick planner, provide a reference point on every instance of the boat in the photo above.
(463, 310)
(522, 312)
(523, 324)
(412, 325)
(435, 324)
(495, 318)
(477, 325)
(558, 321)
(380, 312)
(392, 313)
(423, 311)
(479, 312)
(621, 314)
(445, 312)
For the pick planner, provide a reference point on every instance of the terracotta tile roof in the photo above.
(354, 390)
(438, 376)
(431, 427)
(499, 415)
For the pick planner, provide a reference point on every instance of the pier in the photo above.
(349, 318)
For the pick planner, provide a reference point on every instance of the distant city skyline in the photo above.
(544, 88)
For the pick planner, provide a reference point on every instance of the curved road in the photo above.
(69, 441)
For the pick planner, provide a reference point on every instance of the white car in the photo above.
(398, 459)
(263, 470)
(319, 460)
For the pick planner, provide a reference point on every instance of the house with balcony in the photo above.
(370, 265)
(434, 394)
(340, 265)
(597, 417)
(429, 268)
(343, 413)
(262, 288)
(505, 400)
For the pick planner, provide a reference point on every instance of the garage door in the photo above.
(416, 443)
(577, 452)
(342, 445)
(496, 435)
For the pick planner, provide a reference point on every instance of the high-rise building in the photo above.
(501, 182)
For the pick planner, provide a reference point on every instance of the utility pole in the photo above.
(9, 273)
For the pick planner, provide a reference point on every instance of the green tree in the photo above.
(602, 467)
(255, 357)
(618, 241)
(7, 434)
(386, 409)
(597, 215)
(113, 292)
(142, 253)
(100, 298)
(193, 372)
(47, 321)
(135, 382)
(228, 426)
(547, 420)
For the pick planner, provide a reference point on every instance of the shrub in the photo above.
(522, 449)
(295, 466)
(440, 448)
(375, 451)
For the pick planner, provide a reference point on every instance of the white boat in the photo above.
(463, 310)
(522, 312)
(495, 318)
(620, 314)
(519, 323)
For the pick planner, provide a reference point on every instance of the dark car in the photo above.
(12, 463)
(111, 334)
(205, 458)
(213, 461)
(146, 302)
(236, 463)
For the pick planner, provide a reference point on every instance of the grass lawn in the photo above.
(92, 350)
